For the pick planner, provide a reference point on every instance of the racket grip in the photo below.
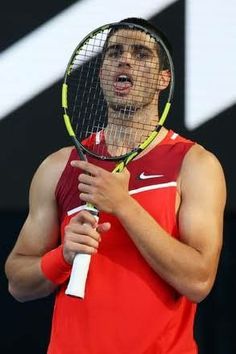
(78, 277)
(80, 268)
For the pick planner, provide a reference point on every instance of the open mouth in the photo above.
(124, 78)
(123, 82)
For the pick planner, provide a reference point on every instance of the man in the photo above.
(156, 247)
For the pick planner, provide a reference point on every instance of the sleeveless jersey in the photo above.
(128, 308)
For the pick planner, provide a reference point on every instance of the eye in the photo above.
(142, 54)
(114, 52)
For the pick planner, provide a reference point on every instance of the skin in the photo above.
(188, 264)
(136, 55)
(132, 54)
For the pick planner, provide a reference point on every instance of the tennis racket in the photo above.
(116, 95)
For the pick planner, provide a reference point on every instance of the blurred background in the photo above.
(36, 41)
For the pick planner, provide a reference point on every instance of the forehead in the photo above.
(132, 37)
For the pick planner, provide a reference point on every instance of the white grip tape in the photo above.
(78, 277)
(79, 271)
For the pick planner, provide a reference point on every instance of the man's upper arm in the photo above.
(40, 231)
(203, 195)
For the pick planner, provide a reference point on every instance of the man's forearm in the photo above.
(26, 280)
(182, 266)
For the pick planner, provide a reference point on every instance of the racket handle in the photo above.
(80, 268)
(78, 277)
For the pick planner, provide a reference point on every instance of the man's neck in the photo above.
(126, 131)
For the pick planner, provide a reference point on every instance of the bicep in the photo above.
(202, 208)
(40, 231)
(38, 235)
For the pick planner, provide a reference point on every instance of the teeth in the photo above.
(123, 78)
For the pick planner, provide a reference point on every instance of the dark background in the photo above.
(35, 130)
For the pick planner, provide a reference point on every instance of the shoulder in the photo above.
(57, 159)
(51, 168)
(200, 158)
(202, 169)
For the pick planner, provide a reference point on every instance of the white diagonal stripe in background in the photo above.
(39, 59)
(210, 59)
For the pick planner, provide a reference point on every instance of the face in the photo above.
(130, 74)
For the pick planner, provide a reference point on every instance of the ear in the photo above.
(164, 79)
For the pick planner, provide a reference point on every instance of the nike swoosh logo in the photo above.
(143, 176)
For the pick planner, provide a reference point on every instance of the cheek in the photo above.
(149, 72)
(149, 79)
(104, 79)
(103, 75)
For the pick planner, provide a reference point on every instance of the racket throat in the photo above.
(81, 154)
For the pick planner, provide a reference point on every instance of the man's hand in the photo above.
(107, 191)
(82, 235)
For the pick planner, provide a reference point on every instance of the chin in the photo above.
(124, 107)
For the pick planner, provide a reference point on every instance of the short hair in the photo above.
(163, 57)
(164, 62)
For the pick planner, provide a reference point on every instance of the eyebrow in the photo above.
(133, 46)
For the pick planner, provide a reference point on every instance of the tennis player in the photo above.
(155, 248)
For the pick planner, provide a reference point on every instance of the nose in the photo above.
(125, 58)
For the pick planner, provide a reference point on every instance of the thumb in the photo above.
(103, 227)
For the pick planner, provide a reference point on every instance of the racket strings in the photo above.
(85, 99)
(126, 137)
(126, 92)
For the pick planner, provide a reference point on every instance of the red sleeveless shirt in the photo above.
(128, 308)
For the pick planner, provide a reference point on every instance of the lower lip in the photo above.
(121, 87)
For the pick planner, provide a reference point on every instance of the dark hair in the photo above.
(153, 29)
(164, 62)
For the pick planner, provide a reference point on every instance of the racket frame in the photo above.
(77, 282)
(122, 160)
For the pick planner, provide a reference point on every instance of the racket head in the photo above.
(123, 71)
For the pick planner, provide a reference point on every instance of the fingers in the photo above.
(105, 190)
(80, 238)
(86, 167)
(103, 227)
(82, 235)
(80, 243)
(91, 169)
(82, 228)
(84, 217)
